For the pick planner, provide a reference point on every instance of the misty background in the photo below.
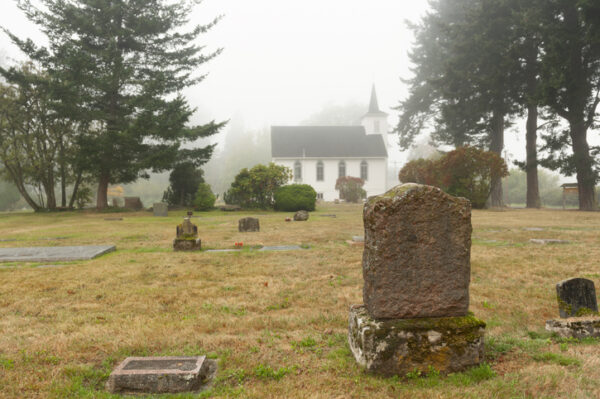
(287, 63)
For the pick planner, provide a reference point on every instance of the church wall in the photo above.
(375, 184)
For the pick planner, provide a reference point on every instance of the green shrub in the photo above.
(255, 188)
(205, 199)
(295, 197)
(350, 188)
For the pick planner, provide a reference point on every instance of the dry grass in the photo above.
(277, 321)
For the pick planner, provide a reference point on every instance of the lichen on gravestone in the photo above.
(416, 261)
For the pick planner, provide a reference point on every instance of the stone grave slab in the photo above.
(576, 297)
(54, 254)
(544, 241)
(281, 248)
(169, 374)
(400, 346)
(575, 327)
(113, 219)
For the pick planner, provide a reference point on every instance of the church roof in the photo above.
(325, 142)
(374, 105)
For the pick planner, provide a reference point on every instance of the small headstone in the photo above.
(133, 203)
(248, 225)
(167, 374)
(301, 216)
(115, 202)
(416, 261)
(358, 238)
(113, 219)
(187, 236)
(576, 297)
(544, 241)
(160, 209)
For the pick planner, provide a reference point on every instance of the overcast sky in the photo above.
(284, 60)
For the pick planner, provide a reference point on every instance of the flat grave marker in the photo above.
(54, 254)
(168, 374)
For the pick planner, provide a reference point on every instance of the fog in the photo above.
(285, 61)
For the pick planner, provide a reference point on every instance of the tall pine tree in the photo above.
(120, 66)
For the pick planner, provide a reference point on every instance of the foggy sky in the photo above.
(284, 60)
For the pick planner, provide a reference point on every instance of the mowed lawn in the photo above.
(276, 322)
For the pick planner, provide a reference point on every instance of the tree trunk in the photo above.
(63, 177)
(533, 191)
(102, 195)
(497, 145)
(75, 189)
(586, 178)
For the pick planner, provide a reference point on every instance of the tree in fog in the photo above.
(120, 66)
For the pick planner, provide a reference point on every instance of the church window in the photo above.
(297, 171)
(342, 169)
(319, 196)
(364, 170)
(320, 171)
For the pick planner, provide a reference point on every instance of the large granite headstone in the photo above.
(576, 297)
(160, 209)
(416, 267)
(248, 225)
(416, 261)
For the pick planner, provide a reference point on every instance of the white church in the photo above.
(319, 155)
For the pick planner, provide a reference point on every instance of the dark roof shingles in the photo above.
(325, 142)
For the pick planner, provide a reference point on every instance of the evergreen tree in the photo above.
(570, 87)
(119, 66)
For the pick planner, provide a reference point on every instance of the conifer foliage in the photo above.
(119, 66)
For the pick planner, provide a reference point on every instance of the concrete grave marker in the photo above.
(160, 209)
(416, 267)
(161, 375)
(248, 225)
(54, 254)
(544, 241)
(187, 236)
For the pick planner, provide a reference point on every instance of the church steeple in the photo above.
(373, 105)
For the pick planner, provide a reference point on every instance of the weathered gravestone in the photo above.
(248, 225)
(187, 236)
(167, 374)
(416, 267)
(160, 209)
(578, 309)
(301, 216)
(576, 297)
(133, 203)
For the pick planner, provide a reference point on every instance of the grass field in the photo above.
(277, 321)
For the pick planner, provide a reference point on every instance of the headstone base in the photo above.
(138, 375)
(400, 346)
(575, 327)
(186, 244)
